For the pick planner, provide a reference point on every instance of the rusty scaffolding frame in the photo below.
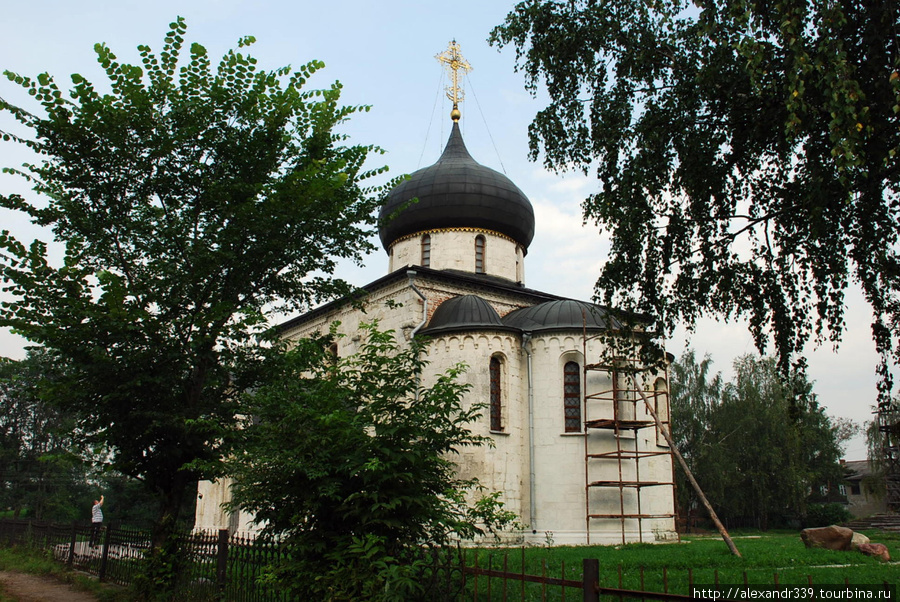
(619, 410)
(888, 417)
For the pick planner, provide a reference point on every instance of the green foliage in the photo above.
(747, 155)
(188, 199)
(349, 463)
(43, 473)
(758, 446)
(823, 515)
(128, 503)
(693, 396)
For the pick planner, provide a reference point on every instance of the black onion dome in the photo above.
(457, 192)
(565, 314)
(466, 312)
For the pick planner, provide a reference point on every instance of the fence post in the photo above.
(71, 559)
(590, 578)
(104, 555)
(222, 560)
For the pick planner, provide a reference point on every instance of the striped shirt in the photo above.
(97, 513)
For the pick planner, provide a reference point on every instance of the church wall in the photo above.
(559, 456)
(502, 467)
(437, 292)
(454, 249)
(209, 513)
(210, 497)
(396, 308)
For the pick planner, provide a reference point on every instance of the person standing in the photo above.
(96, 521)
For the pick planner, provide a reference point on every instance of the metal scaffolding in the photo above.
(888, 416)
(619, 409)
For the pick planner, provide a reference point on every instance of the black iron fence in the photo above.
(215, 565)
(502, 583)
(503, 577)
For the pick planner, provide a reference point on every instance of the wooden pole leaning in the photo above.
(687, 471)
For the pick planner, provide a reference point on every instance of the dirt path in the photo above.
(23, 587)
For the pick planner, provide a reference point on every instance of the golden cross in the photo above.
(454, 62)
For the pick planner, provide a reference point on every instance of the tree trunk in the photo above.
(163, 566)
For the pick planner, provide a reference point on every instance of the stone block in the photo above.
(830, 538)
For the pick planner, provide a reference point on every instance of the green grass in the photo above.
(33, 562)
(698, 560)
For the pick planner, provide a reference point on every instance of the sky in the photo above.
(383, 53)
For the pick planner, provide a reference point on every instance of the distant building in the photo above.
(862, 493)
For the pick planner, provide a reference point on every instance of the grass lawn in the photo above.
(701, 560)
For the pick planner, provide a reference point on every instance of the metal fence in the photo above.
(501, 583)
(215, 565)
(503, 577)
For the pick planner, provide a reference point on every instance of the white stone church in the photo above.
(577, 455)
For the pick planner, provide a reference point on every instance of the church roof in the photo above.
(471, 312)
(465, 312)
(486, 282)
(457, 192)
(563, 314)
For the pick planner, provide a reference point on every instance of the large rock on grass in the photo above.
(830, 538)
(876, 550)
(858, 540)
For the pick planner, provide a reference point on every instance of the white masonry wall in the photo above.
(560, 457)
(454, 249)
(502, 467)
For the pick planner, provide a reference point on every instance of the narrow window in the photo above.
(479, 254)
(572, 397)
(426, 251)
(661, 401)
(332, 354)
(496, 396)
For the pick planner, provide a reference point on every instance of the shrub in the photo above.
(822, 515)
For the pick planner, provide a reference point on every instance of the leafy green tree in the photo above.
(188, 198)
(349, 464)
(758, 445)
(43, 474)
(695, 392)
(747, 155)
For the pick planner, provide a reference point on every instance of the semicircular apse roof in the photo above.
(564, 314)
(465, 312)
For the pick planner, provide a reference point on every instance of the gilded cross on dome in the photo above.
(454, 61)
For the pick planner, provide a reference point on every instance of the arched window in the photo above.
(426, 251)
(479, 254)
(496, 396)
(661, 403)
(572, 397)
